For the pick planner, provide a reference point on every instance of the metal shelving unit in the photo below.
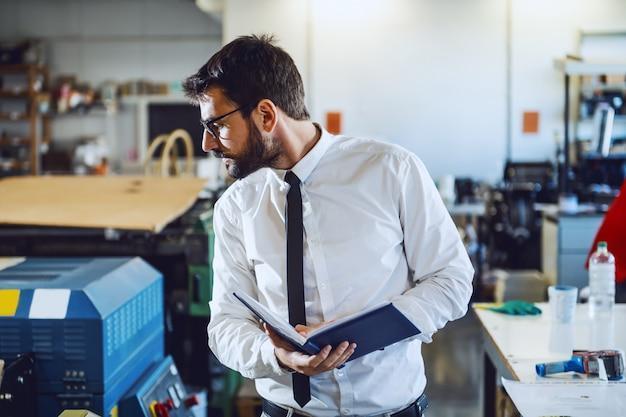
(570, 69)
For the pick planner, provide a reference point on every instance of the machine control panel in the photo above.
(160, 393)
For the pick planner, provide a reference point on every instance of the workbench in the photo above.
(514, 344)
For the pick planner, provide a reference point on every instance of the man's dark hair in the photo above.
(249, 69)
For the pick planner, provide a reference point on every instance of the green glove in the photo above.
(517, 308)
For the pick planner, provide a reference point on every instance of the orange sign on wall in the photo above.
(333, 122)
(530, 123)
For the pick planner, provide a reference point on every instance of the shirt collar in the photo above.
(305, 166)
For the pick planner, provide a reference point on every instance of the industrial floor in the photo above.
(454, 370)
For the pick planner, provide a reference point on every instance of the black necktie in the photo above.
(295, 282)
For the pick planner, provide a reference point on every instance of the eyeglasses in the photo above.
(212, 128)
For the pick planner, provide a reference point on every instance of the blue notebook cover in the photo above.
(371, 330)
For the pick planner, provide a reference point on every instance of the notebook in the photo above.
(372, 329)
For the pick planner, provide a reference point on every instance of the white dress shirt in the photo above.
(375, 230)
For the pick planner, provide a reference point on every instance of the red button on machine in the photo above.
(169, 404)
(161, 410)
(191, 401)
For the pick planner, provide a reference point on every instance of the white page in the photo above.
(274, 321)
(568, 398)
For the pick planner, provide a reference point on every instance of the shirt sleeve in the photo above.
(234, 334)
(438, 263)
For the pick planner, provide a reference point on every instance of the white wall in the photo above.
(286, 19)
(416, 74)
(404, 71)
(120, 40)
(431, 74)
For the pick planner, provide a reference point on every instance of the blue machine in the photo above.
(160, 391)
(95, 325)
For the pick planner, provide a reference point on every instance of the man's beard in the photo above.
(256, 155)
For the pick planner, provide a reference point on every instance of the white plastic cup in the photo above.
(568, 203)
(563, 302)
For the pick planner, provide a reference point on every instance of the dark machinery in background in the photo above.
(513, 219)
(183, 253)
(541, 175)
(599, 178)
(468, 215)
(599, 169)
(18, 386)
(514, 227)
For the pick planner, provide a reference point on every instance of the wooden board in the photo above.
(129, 203)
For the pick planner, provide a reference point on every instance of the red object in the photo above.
(530, 122)
(613, 232)
(161, 410)
(169, 404)
(191, 401)
(333, 122)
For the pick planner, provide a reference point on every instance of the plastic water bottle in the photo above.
(601, 281)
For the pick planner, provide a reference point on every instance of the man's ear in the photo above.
(268, 115)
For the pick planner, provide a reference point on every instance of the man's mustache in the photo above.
(221, 155)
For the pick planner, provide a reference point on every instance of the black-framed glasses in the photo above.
(212, 128)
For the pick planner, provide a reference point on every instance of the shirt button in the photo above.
(323, 286)
(339, 373)
(306, 209)
(345, 411)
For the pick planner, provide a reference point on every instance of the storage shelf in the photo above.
(618, 118)
(571, 67)
(8, 118)
(94, 112)
(11, 94)
(20, 68)
(13, 164)
(15, 142)
(584, 128)
(36, 76)
(590, 88)
(154, 99)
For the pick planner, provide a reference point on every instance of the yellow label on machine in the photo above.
(8, 302)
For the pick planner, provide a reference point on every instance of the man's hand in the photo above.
(309, 365)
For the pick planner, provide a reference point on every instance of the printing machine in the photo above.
(77, 332)
(182, 250)
(87, 333)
